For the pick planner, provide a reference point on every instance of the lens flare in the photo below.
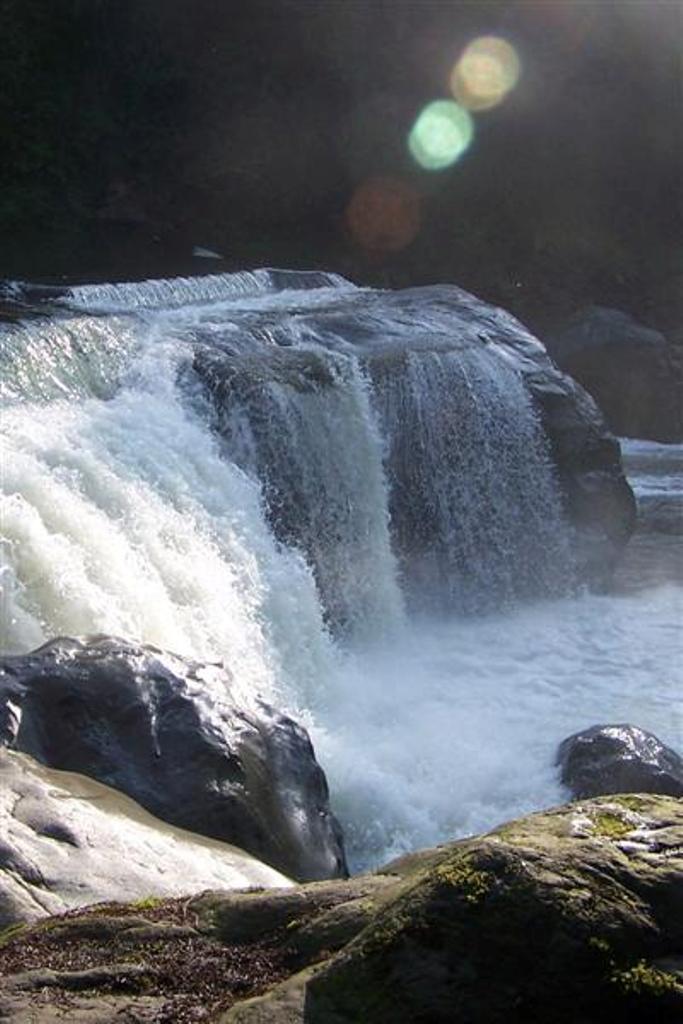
(441, 134)
(487, 71)
(383, 215)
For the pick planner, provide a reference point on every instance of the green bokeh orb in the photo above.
(440, 135)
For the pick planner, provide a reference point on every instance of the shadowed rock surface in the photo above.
(597, 497)
(619, 759)
(167, 732)
(573, 915)
(632, 372)
(67, 841)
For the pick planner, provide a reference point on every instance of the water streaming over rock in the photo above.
(474, 505)
(303, 426)
(282, 470)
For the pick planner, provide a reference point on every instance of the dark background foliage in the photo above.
(135, 129)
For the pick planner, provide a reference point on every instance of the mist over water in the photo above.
(248, 468)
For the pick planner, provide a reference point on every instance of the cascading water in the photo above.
(179, 291)
(303, 426)
(474, 506)
(78, 357)
(269, 468)
(119, 516)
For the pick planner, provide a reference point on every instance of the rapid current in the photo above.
(258, 468)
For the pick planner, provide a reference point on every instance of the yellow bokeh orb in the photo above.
(440, 135)
(486, 72)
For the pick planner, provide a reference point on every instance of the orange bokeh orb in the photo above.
(383, 215)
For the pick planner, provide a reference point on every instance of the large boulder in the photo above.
(573, 915)
(68, 841)
(634, 374)
(618, 759)
(443, 369)
(167, 731)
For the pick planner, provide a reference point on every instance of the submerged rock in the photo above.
(619, 759)
(572, 916)
(68, 841)
(168, 732)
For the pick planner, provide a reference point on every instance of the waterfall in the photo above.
(171, 451)
(180, 291)
(304, 427)
(287, 473)
(72, 357)
(119, 516)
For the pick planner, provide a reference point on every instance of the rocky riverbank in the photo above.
(569, 915)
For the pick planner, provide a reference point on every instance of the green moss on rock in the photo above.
(611, 825)
(629, 801)
(472, 884)
(7, 934)
(542, 921)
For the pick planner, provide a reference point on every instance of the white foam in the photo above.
(455, 729)
(121, 517)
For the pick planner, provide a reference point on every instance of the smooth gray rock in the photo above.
(40, 1008)
(67, 841)
(619, 759)
(166, 731)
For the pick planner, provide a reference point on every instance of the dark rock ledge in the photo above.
(570, 916)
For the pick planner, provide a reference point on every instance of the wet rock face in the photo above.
(619, 759)
(598, 499)
(434, 359)
(167, 732)
(67, 841)
(634, 374)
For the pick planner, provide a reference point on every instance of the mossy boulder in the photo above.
(573, 915)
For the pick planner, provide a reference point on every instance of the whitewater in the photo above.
(228, 468)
